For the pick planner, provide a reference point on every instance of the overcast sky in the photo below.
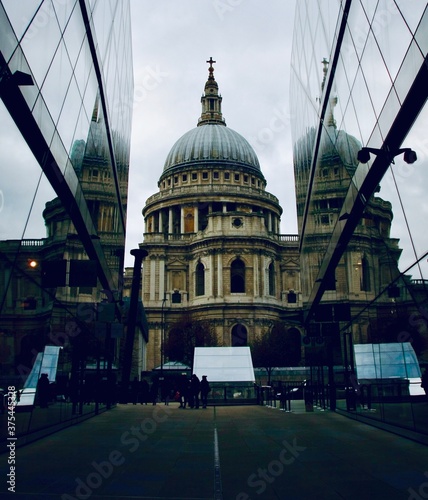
(172, 40)
(252, 46)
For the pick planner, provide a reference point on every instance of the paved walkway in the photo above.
(231, 453)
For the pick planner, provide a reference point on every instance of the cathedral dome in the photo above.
(212, 142)
(339, 143)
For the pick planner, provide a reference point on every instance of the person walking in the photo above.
(135, 390)
(43, 390)
(195, 387)
(145, 392)
(183, 390)
(154, 391)
(205, 390)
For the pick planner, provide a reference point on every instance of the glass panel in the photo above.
(74, 35)
(421, 34)
(41, 41)
(21, 219)
(412, 12)
(386, 24)
(63, 10)
(57, 82)
(20, 19)
(19, 63)
(69, 113)
(408, 70)
(373, 64)
(8, 42)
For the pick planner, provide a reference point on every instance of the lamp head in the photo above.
(409, 156)
(363, 155)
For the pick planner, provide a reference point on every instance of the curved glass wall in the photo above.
(66, 107)
(359, 79)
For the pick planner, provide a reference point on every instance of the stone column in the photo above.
(181, 220)
(160, 221)
(196, 222)
(161, 278)
(210, 276)
(220, 275)
(170, 221)
(256, 272)
(153, 279)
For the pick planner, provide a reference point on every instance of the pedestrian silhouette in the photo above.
(195, 387)
(43, 390)
(145, 392)
(135, 390)
(205, 390)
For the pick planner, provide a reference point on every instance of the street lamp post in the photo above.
(162, 333)
(139, 254)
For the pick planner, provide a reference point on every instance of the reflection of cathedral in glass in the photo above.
(76, 122)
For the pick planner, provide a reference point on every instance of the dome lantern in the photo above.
(211, 143)
(211, 100)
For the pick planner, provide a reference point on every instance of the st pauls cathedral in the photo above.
(215, 251)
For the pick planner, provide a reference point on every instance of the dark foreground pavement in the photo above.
(231, 453)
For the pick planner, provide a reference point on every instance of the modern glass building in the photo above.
(359, 86)
(66, 93)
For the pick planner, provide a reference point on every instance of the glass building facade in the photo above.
(66, 93)
(359, 85)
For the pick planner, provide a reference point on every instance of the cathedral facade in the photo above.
(212, 237)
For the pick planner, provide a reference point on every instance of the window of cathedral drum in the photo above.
(215, 176)
(271, 272)
(237, 276)
(184, 177)
(205, 176)
(217, 206)
(245, 178)
(226, 176)
(239, 336)
(237, 177)
(325, 220)
(365, 276)
(176, 179)
(194, 176)
(200, 279)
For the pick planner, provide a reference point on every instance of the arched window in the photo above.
(200, 279)
(271, 278)
(237, 276)
(239, 336)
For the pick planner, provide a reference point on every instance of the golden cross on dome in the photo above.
(211, 69)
